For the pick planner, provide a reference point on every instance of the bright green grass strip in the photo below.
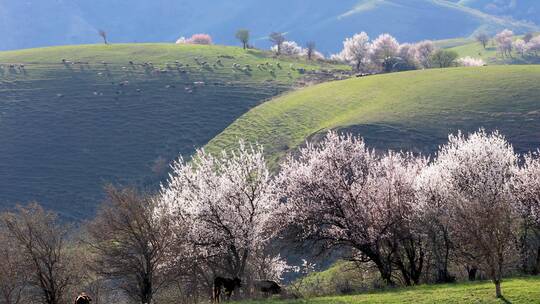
(516, 291)
(142, 52)
(450, 43)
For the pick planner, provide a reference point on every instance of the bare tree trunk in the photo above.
(498, 292)
(386, 272)
(536, 269)
(472, 273)
(147, 292)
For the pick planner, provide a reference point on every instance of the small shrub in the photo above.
(444, 58)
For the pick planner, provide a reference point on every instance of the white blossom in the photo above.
(526, 187)
(407, 52)
(423, 51)
(339, 193)
(504, 42)
(290, 48)
(520, 46)
(355, 51)
(181, 40)
(383, 48)
(474, 175)
(533, 46)
(226, 202)
(470, 62)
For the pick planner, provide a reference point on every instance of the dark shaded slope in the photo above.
(68, 129)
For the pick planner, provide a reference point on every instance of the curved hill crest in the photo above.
(412, 111)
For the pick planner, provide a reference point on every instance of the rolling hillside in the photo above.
(33, 23)
(74, 118)
(410, 110)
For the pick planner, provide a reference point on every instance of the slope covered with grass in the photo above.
(74, 118)
(517, 291)
(411, 110)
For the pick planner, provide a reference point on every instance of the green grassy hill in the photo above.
(411, 110)
(68, 127)
(516, 291)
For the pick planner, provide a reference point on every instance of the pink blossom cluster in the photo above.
(387, 209)
(203, 39)
(370, 56)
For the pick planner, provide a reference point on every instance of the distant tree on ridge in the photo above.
(483, 38)
(277, 39)
(243, 36)
(103, 36)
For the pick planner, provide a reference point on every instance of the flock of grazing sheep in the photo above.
(201, 68)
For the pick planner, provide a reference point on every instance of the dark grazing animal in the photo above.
(268, 287)
(83, 298)
(225, 285)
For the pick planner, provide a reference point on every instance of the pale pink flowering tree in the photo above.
(227, 203)
(355, 51)
(504, 42)
(520, 46)
(423, 51)
(265, 267)
(392, 192)
(433, 212)
(340, 194)
(407, 52)
(533, 46)
(203, 39)
(200, 39)
(475, 174)
(526, 188)
(290, 48)
(384, 48)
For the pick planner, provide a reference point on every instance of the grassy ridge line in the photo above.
(451, 43)
(119, 55)
(406, 110)
(516, 291)
(155, 52)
